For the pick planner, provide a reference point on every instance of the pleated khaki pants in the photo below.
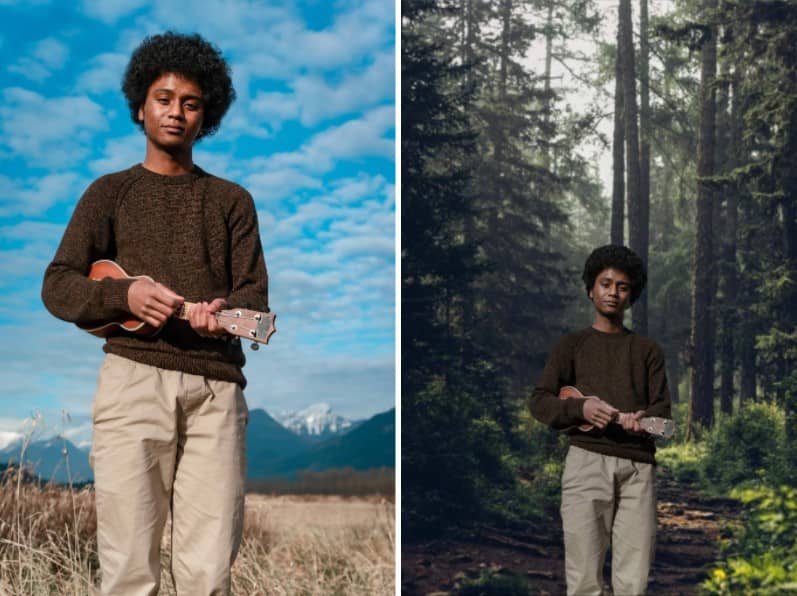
(167, 440)
(605, 500)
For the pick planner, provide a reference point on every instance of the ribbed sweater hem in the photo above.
(644, 454)
(222, 371)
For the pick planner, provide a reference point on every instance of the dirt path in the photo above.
(689, 526)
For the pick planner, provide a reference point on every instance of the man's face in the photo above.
(172, 112)
(611, 292)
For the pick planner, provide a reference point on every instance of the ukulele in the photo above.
(661, 427)
(249, 324)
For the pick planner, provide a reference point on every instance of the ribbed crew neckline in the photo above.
(624, 333)
(195, 173)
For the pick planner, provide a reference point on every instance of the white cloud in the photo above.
(275, 107)
(48, 55)
(119, 153)
(51, 52)
(55, 131)
(320, 100)
(277, 184)
(352, 140)
(315, 99)
(104, 73)
(363, 30)
(377, 246)
(36, 195)
(110, 11)
(8, 437)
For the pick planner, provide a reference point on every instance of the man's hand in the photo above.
(630, 421)
(152, 302)
(203, 320)
(598, 413)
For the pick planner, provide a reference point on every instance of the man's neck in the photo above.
(167, 164)
(608, 324)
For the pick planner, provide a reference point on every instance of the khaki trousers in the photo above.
(166, 440)
(605, 500)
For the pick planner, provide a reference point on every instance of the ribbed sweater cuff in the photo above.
(575, 408)
(114, 294)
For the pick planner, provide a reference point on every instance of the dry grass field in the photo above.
(297, 546)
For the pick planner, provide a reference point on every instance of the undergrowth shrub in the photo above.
(761, 556)
(684, 461)
(745, 446)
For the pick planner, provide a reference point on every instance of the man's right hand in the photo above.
(598, 413)
(152, 302)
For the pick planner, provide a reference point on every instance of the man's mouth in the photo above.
(174, 129)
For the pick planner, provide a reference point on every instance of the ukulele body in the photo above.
(103, 269)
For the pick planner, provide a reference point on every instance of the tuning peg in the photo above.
(255, 346)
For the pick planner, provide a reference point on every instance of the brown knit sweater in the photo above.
(195, 233)
(623, 369)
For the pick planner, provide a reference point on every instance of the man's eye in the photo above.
(192, 106)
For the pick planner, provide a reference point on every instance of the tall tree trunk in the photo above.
(547, 80)
(729, 270)
(618, 149)
(641, 241)
(748, 373)
(701, 405)
(638, 312)
(468, 58)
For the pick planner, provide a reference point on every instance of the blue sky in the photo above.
(311, 136)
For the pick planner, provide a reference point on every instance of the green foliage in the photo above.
(453, 460)
(744, 445)
(683, 460)
(762, 556)
(539, 466)
(490, 583)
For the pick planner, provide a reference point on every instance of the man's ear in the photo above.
(141, 113)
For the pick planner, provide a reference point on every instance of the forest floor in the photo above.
(689, 526)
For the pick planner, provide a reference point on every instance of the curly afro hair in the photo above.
(190, 56)
(620, 258)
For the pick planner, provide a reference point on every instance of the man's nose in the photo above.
(176, 111)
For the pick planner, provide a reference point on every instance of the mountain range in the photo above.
(316, 439)
(316, 422)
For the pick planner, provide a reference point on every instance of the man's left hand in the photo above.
(630, 421)
(203, 319)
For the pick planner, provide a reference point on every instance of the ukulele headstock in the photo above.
(248, 324)
(660, 427)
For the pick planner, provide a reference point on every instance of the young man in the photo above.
(608, 484)
(169, 413)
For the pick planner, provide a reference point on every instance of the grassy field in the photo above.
(305, 545)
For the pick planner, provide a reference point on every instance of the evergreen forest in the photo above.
(533, 131)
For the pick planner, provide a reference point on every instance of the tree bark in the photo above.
(729, 269)
(641, 239)
(547, 78)
(639, 310)
(701, 405)
(618, 149)
(747, 376)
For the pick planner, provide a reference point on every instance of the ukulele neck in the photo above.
(185, 310)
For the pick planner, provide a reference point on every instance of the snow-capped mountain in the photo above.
(315, 422)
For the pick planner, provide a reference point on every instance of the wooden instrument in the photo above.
(661, 427)
(245, 323)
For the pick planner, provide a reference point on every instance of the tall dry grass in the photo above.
(291, 546)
